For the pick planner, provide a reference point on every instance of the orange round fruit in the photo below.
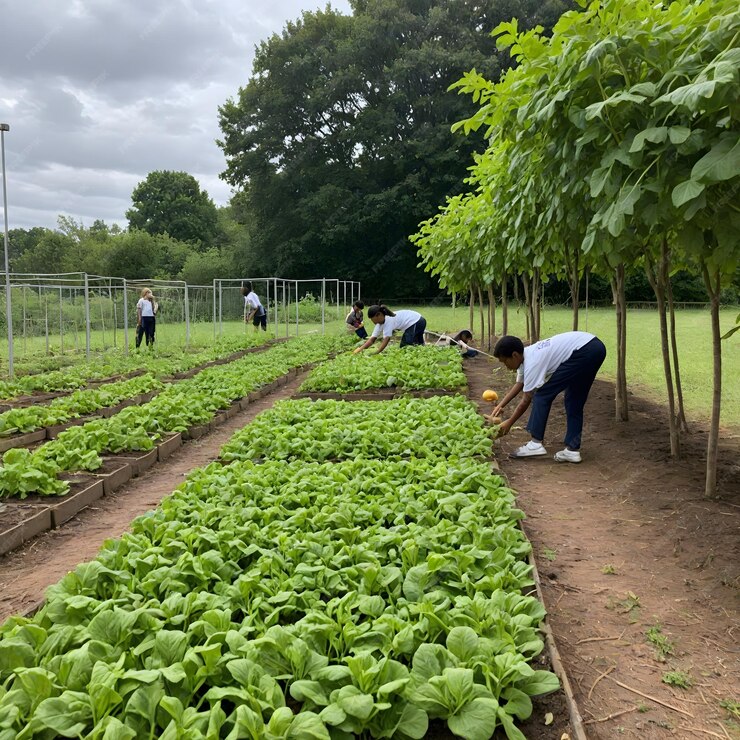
(490, 396)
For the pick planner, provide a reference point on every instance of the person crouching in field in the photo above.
(411, 323)
(461, 341)
(566, 362)
(254, 311)
(354, 320)
(146, 309)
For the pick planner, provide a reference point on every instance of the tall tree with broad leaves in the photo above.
(172, 203)
(340, 142)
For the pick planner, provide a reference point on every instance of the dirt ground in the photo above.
(625, 543)
(27, 572)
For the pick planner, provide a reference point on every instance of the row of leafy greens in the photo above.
(291, 600)
(441, 426)
(410, 368)
(115, 363)
(177, 408)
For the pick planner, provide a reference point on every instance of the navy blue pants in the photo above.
(361, 333)
(575, 376)
(145, 328)
(414, 334)
(260, 319)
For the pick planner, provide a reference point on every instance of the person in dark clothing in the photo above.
(354, 320)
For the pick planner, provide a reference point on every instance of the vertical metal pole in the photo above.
(220, 309)
(46, 320)
(61, 323)
(339, 310)
(285, 309)
(323, 305)
(296, 308)
(25, 348)
(276, 308)
(115, 312)
(102, 320)
(187, 316)
(359, 291)
(87, 318)
(125, 319)
(8, 302)
(214, 309)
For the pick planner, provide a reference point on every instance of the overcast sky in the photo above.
(98, 93)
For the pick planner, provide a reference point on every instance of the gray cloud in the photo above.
(99, 93)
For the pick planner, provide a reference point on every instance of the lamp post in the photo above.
(8, 308)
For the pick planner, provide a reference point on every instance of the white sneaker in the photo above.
(571, 456)
(531, 449)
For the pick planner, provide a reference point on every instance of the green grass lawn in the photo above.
(644, 360)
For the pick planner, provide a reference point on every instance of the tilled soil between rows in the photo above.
(625, 543)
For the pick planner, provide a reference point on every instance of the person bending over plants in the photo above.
(354, 320)
(565, 363)
(411, 323)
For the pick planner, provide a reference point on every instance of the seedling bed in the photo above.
(378, 394)
(83, 491)
(21, 521)
(169, 445)
(139, 461)
(53, 431)
(21, 440)
(113, 474)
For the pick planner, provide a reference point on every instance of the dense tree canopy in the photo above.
(172, 203)
(341, 139)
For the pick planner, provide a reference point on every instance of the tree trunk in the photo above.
(575, 285)
(491, 316)
(527, 307)
(504, 307)
(657, 275)
(621, 407)
(482, 314)
(516, 289)
(537, 303)
(674, 350)
(472, 308)
(710, 485)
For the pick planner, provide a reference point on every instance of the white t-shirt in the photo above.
(252, 302)
(400, 322)
(146, 307)
(542, 359)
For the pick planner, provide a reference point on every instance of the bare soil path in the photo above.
(27, 572)
(626, 542)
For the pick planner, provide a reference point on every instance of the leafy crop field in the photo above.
(175, 409)
(411, 368)
(293, 600)
(443, 426)
(115, 363)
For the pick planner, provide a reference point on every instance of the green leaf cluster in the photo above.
(441, 426)
(412, 368)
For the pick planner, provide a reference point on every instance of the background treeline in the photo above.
(337, 147)
(137, 254)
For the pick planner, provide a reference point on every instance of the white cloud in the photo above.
(99, 93)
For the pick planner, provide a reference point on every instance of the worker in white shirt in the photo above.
(566, 362)
(411, 323)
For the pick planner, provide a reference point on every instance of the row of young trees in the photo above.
(613, 146)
